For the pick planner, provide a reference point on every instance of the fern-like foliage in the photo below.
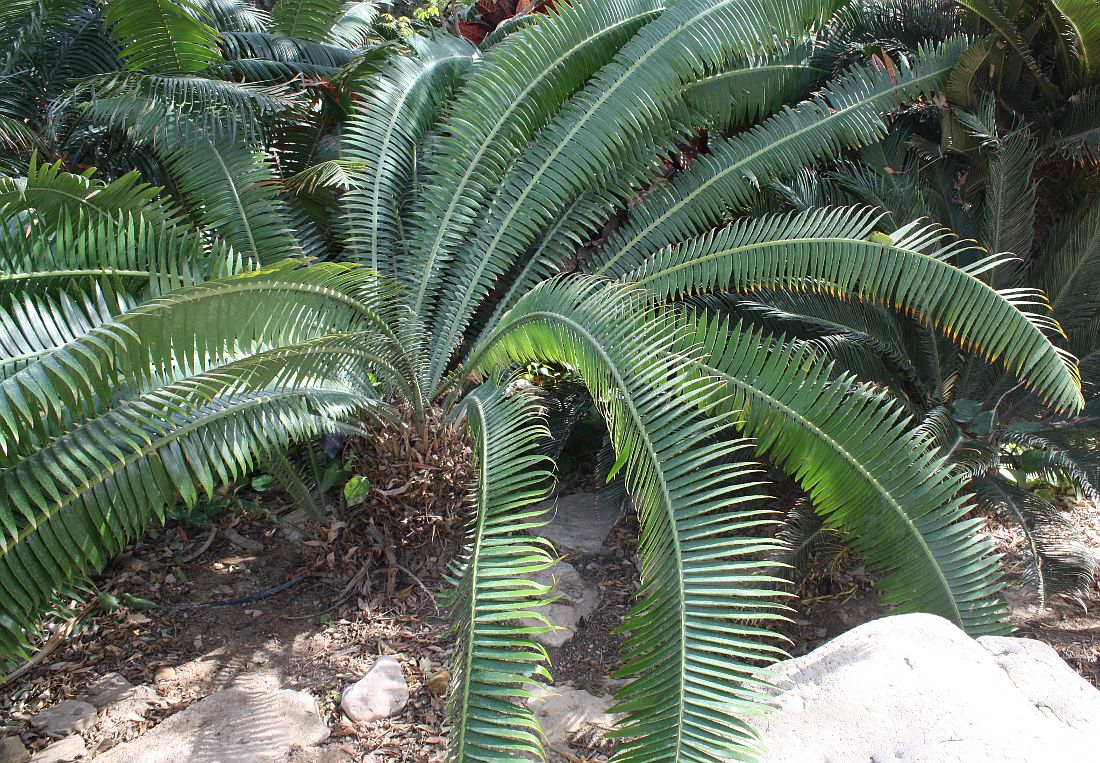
(603, 187)
(164, 36)
(488, 595)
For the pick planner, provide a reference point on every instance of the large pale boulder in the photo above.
(915, 688)
(253, 721)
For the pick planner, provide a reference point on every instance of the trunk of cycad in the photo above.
(411, 522)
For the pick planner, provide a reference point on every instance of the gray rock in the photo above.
(253, 721)
(65, 718)
(381, 693)
(107, 689)
(563, 711)
(63, 751)
(580, 523)
(577, 599)
(13, 751)
(915, 688)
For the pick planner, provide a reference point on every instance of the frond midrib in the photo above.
(854, 462)
(391, 125)
(666, 494)
(456, 193)
(835, 114)
(102, 475)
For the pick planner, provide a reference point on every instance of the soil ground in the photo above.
(320, 646)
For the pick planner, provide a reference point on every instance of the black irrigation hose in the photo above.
(241, 599)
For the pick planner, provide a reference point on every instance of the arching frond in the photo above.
(1083, 17)
(232, 188)
(393, 110)
(1008, 217)
(209, 322)
(492, 592)
(627, 103)
(134, 256)
(1060, 562)
(54, 196)
(699, 628)
(34, 326)
(235, 15)
(865, 471)
(1068, 270)
(164, 36)
(305, 19)
(849, 112)
(758, 88)
(832, 252)
(518, 86)
(355, 25)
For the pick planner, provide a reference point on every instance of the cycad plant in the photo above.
(524, 202)
(1016, 188)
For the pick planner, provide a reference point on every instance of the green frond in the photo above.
(628, 104)
(77, 501)
(54, 196)
(1068, 270)
(235, 15)
(34, 326)
(150, 107)
(849, 112)
(864, 469)
(163, 36)
(232, 188)
(1008, 214)
(201, 325)
(698, 633)
(757, 88)
(492, 590)
(336, 174)
(962, 86)
(294, 483)
(264, 58)
(135, 256)
(1060, 561)
(990, 12)
(1077, 133)
(518, 85)
(355, 25)
(392, 112)
(810, 543)
(832, 252)
(305, 19)
(1056, 455)
(1083, 17)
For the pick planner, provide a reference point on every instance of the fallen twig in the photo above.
(54, 641)
(203, 548)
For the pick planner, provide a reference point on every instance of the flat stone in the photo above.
(253, 721)
(581, 523)
(62, 751)
(107, 689)
(381, 693)
(915, 688)
(563, 711)
(13, 751)
(577, 599)
(65, 718)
